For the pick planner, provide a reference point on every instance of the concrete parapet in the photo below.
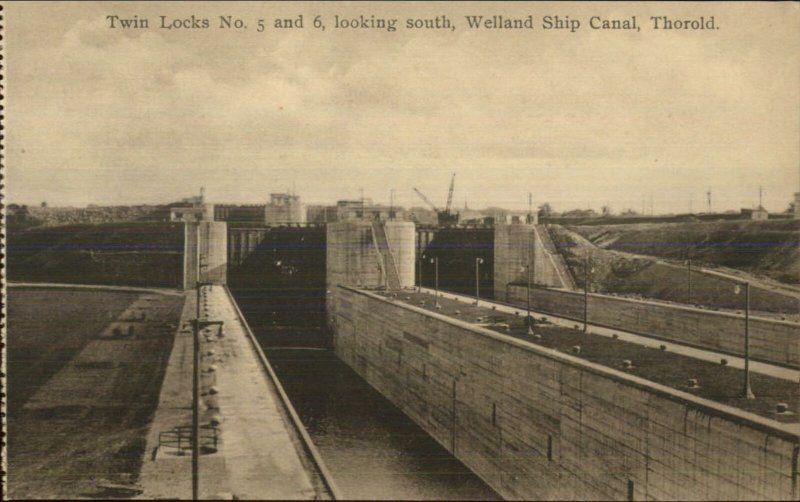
(538, 424)
(776, 342)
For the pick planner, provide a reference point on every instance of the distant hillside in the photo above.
(771, 248)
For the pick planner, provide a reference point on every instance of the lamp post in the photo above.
(478, 262)
(586, 277)
(196, 399)
(688, 276)
(747, 392)
(435, 261)
(529, 318)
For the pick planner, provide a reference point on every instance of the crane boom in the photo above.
(450, 194)
(428, 202)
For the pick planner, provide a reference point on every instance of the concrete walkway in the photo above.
(255, 455)
(705, 355)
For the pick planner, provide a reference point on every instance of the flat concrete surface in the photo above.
(255, 456)
(705, 355)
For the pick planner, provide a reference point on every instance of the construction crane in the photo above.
(445, 216)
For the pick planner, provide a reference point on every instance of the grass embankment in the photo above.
(80, 402)
(130, 254)
(645, 276)
(771, 248)
(719, 383)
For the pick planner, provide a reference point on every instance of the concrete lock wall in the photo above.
(352, 256)
(537, 424)
(770, 341)
(511, 248)
(205, 256)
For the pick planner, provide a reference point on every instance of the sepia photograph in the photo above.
(400, 250)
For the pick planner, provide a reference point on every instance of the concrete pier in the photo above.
(251, 446)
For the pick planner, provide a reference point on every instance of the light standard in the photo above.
(747, 391)
(531, 257)
(435, 261)
(688, 276)
(586, 278)
(478, 262)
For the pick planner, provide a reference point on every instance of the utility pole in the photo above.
(391, 204)
(689, 279)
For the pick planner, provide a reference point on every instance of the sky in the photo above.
(96, 115)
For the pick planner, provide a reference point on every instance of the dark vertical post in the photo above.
(748, 392)
(478, 262)
(586, 293)
(529, 318)
(419, 264)
(196, 401)
(453, 432)
(436, 263)
(689, 280)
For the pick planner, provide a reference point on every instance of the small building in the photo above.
(284, 208)
(345, 210)
(365, 209)
(191, 213)
(755, 214)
